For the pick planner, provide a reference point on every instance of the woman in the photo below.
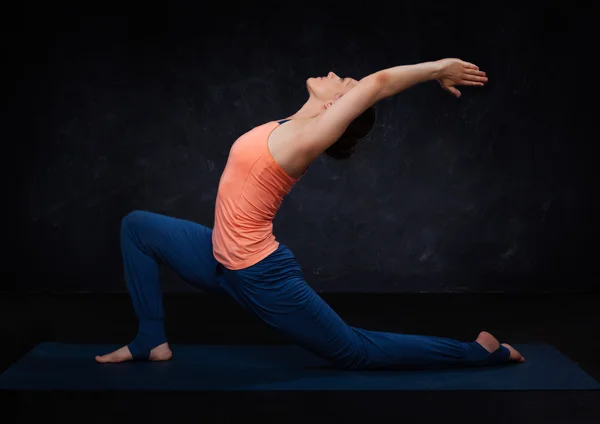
(241, 257)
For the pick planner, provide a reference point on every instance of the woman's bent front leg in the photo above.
(147, 241)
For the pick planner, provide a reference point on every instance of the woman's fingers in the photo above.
(476, 78)
(471, 66)
(454, 91)
(474, 72)
(466, 82)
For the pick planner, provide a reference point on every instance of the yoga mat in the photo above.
(57, 366)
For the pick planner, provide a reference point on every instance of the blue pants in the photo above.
(274, 290)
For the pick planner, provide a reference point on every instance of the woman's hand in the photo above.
(455, 72)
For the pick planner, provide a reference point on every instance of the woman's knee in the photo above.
(350, 364)
(352, 358)
(134, 220)
(357, 363)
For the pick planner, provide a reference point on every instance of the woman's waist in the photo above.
(280, 261)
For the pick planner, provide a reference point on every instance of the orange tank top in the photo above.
(251, 190)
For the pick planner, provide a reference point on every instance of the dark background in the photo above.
(137, 107)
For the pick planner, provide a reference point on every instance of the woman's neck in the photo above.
(311, 109)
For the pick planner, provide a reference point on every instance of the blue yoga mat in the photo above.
(55, 366)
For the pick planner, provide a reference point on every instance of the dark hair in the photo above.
(345, 146)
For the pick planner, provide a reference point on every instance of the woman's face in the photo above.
(330, 87)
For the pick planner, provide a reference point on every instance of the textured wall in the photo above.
(490, 192)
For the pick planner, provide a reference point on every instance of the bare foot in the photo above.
(491, 344)
(159, 353)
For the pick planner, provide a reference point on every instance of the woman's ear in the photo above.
(330, 103)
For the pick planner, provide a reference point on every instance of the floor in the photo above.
(569, 322)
